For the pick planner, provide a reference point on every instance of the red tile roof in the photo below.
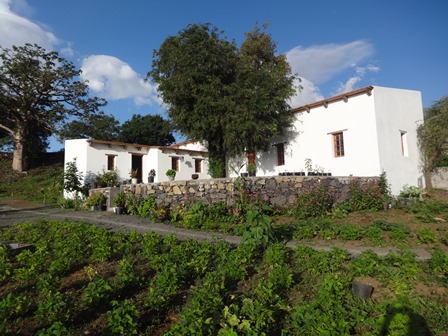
(325, 102)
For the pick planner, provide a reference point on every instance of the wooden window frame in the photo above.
(111, 164)
(198, 165)
(280, 151)
(338, 144)
(175, 163)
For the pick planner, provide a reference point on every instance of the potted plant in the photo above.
(251, 169)
(151, 175)
(120, 203)
(95, 201)
(134, 173)
(171, 173)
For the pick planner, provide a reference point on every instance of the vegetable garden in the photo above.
(79, 279)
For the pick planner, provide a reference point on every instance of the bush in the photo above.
(313, 202)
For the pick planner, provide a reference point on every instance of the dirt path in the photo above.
(16, 212)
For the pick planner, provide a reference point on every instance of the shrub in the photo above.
(368, 196)
(313, 202)
(426, 235)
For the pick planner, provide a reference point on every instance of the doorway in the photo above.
(136, 164)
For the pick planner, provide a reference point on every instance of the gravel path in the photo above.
(106, 219)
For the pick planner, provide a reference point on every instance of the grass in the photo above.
(42, 185)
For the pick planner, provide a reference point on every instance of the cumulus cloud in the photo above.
(360, 73)
(18, 30)
(113, 79)
(319, 63)
(306, 92)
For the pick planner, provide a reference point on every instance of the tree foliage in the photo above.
(147, 130)
(234, 99)
(433, 137)
(93, 126)
(38, 88)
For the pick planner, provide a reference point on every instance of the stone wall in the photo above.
(280, 191)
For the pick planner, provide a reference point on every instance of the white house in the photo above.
(96, 156)
(362, 133)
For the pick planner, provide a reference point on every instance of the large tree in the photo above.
(234, 99)
(98, 126)
(262, 87)
(195, 71)
(147, 130)
(38, 88)
(433, 137)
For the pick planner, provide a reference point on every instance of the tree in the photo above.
(93, 126)
(147, 130)
(38, 88)
(433, 137)
(233, 99)
(195, 71)
(263, 85)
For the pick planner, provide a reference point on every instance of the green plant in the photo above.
(73, 180)
(109, 178)
(132, 204)
(313, 202)
(410, 191)
(96, 199)
(122, 319)
(251, 167)
(426, 235)
(120, 200)
(258, 229)
(371, 196)
(171, 173)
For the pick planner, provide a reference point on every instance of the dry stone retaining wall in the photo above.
(280, 191)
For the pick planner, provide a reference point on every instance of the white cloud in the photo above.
(113, 79)
(360, 73)
(320, 63)
(307, 94)
(18, 30)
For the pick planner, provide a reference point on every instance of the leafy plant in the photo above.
(120, 200)
(258, 229)
(313, 202)
(152, 173)
(96, 199)
(171, 173)
(426, 236)
(122, 319)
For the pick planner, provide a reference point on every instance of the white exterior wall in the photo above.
(398, 111)
(371, 126)
(91, 159)
(356, 119)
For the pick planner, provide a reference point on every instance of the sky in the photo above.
(334, 46)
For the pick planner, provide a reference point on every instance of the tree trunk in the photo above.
(19, 157)
(427, 176)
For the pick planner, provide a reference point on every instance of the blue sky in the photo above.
(334, 46)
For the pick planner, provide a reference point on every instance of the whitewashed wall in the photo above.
(371, 126)
(398, 111)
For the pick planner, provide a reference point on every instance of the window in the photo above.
(404, 143)
(198, 165)
(338, 144)
(175, 163)
(280, 148)
(110, 162)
